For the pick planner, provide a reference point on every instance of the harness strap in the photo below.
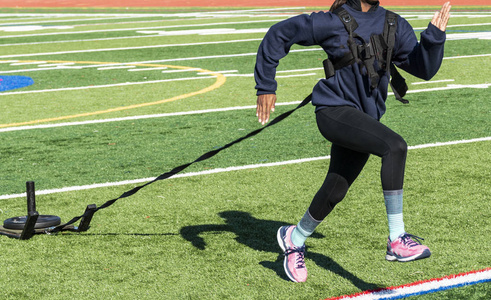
(390, 35)
(350, 24)
(397, 82)
(348, 21)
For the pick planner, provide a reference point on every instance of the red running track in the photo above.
(219, 3)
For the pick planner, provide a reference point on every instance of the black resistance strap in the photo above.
(179, 169)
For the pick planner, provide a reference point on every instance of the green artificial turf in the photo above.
(212, 236)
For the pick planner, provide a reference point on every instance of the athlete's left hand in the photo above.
(440, 18)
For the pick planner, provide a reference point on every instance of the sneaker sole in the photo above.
(279, 237)
(390, 257)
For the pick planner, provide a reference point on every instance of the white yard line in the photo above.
(469, 36)
(115, 68)
(107, 85)
(433, 81)
(450, 36)
(127, 48)
(204, 111)
(42, 126)
(259, 30)
(221, 170)
(140, 28)
(457, 25)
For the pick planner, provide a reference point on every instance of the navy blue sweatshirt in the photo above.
(350, 85)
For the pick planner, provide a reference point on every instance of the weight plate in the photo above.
(43, 221)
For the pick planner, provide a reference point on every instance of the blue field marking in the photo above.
(8, 83)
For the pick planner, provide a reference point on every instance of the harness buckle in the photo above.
(366, 51)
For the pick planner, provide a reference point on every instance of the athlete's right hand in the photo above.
(265, 105)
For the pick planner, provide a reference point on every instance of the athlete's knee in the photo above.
(398, 147)
(334, 189)
(331, 193)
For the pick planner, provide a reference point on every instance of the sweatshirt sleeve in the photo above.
(276, 45)
(422, 59)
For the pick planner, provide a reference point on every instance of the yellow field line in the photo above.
(220, 80)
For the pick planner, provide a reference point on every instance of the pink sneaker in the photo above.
(404, 248)
(294, 262)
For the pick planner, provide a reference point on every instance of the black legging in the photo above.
(354, 136)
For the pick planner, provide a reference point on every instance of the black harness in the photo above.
(375, 53)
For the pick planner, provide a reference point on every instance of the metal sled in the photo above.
(25, 227)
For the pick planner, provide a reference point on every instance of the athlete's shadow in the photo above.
(261, 235)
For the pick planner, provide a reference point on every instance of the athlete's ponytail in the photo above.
(337, 4)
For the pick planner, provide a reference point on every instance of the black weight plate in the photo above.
(43, 221)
